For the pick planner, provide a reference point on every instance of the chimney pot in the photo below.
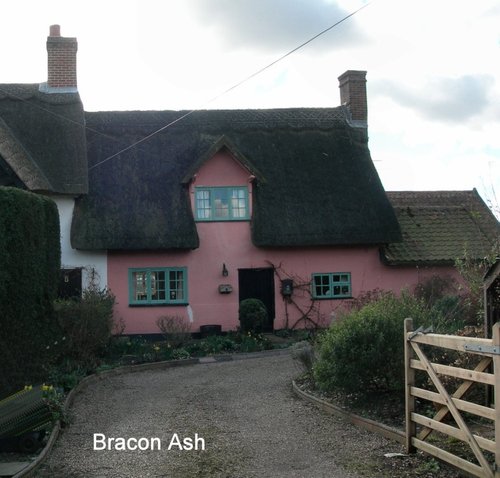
(55, 30)
(352, 86)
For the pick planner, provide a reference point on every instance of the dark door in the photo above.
(70, 283)
(258, 284)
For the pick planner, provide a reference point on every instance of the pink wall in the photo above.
(230, 243)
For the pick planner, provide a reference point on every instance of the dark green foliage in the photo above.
(252, 315)
(364, 351)
(29, 275)
(213, 344)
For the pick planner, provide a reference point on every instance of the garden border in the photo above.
(366, 423)
(85, 382)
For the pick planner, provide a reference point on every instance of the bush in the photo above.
(87, 324)
(252, 315)
(176, 329)
(365, 350)
(447, 303)
(29, 275)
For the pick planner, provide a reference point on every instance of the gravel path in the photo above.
(245, 410)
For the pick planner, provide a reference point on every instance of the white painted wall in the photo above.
(72, 258)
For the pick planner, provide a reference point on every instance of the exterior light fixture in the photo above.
(225, 272)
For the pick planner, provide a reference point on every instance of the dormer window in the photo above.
(221, 204)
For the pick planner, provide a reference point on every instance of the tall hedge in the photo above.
(29, 275)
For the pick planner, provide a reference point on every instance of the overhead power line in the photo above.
(237, 85)
(188, 113)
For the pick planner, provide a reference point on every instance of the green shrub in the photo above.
(29, 276)
(253, 343)
(216, 344)
(365, 350)
(87, 324)
(252, 315)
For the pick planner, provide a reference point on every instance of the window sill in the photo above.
(333, 298)
(246, 219)
(163, 304)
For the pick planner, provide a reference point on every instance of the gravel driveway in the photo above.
(251, 423)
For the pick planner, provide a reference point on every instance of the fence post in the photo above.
(411, 428)
(496, 392)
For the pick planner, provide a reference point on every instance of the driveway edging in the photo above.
(366, 423)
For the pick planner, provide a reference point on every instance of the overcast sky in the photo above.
(433, 69)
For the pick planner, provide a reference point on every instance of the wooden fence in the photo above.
(453, 404)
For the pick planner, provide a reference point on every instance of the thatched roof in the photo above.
(439, 226)
(315, 181)
(42, 140)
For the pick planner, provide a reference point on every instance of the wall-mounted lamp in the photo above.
(225, 272)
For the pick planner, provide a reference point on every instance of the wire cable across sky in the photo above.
(228, 90)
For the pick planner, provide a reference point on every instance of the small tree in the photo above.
(87, 324)
(252, 315)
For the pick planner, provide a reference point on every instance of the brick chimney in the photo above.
(61, 55)
(352, 86)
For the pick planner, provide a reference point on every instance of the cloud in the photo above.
(277, 25)
(452, 100)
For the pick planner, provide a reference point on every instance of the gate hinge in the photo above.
(488, 349)
(419, 331)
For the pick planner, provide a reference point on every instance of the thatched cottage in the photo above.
(284, 205)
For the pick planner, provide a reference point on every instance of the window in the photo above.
(331, 286)
(221, 204)
(158, 286)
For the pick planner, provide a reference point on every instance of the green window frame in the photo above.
(222, 203)
(157, 285)
(331, 285)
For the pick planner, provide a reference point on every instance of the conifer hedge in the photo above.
(29, 276)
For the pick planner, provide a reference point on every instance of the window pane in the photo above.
(176, 285)
(203, 209)
(221, 203)
(140, 285)
(238, 203)
(321, 285)
(158, 285)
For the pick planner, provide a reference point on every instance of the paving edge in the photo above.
(366, 423)
(85, 382)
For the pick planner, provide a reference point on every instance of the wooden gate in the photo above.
(419, 427)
